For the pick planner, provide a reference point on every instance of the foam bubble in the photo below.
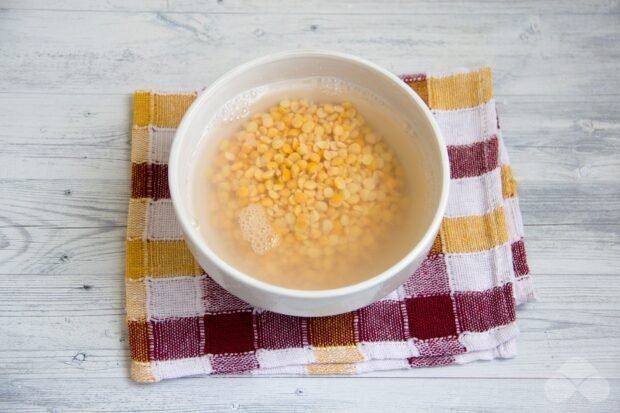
(325, 87)
(239, 107)
(256, 229)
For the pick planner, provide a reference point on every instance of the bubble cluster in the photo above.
(332, 86)
(239, 107)
(256, 229)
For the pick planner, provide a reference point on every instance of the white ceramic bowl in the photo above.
(303, 64)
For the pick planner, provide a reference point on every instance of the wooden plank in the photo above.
(550, 54)
(577, 315)
(552, 249)
(561, 249)
(294, 395)
(87, 137)
(76, 148)
(539, 357)
(347, 7)
(40, 250)
(94, 295)
(77, 203)
(581, 166)
(68, 203)
(549, 338)
(586, 123)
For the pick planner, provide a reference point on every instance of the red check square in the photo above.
(277, 331)
(431, 317)
(381, 321)
(183, 332)
(229, 333)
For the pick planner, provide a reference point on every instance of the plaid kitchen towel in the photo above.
(457, 307)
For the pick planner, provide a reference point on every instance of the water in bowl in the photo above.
(310, 184)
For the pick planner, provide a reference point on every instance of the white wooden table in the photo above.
(67, 70)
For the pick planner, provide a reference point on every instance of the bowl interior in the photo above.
(191, 134)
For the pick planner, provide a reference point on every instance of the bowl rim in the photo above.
(254, 283)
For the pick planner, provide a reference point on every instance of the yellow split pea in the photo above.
(330, 186)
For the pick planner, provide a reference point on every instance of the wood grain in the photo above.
(552, 249)
(80, 59)
(347, 7)
(69, 203)
(574, 140)
(578, 317)
(68, 69)
(291, 395)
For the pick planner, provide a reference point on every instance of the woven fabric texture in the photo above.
(459, 306)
